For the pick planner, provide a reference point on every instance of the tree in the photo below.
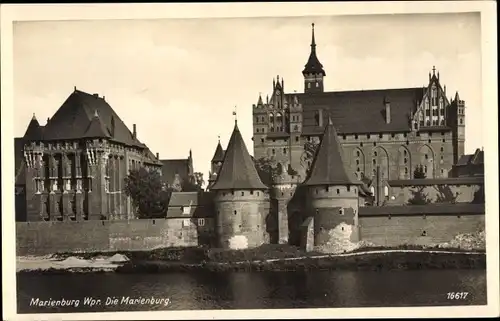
(268, 170)
(419, 197)
(307, 157)
(419, 172)
(147, 193)
(194, 183)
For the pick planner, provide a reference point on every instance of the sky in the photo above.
(180, 80)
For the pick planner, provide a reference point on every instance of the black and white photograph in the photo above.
(259, 160)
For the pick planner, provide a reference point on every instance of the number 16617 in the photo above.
(457, 295)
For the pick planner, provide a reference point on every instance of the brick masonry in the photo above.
(41, 238)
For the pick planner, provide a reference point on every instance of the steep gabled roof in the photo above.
(360, 111)
(72, 119)
(219, 154)
(34, 130)
(328, 167)
(238, 169)
(471, 159)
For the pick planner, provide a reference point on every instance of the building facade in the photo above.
(394, 129)
(74, 167)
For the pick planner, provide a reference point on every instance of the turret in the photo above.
(215, 164)
(333, 196)
(241, 199)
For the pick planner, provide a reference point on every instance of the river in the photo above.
(250, 290)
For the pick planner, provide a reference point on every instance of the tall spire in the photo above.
(238, 170)
(328, 167)
(313, 66)
(219, 153)
(313, 41)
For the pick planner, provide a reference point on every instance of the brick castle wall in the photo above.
(41, 238)
(417, 229)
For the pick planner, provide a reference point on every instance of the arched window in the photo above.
(386, 191)
(279, 117)
(271, 117)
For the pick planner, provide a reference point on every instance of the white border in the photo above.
(10, 13)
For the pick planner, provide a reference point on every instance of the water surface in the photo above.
(253, 290)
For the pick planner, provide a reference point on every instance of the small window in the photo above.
(355, 136)
(348, 188)
(357, 162)
(251, 192)
(186, 222)
(361, 144)
(425, 168)
(393, 135)
(317, 84)
(358, 153)
(235, 212)
(461, 121)
(404, 135)
(374, 162)
(406, 160)
(201, 222)
(338, 191)
(380, 135)
(344, 137)
(424, 233)
(262, 140)
(430, 141)
(368, 136)
(374, 143)
(374, 153)
(341, 212)
(297, 138)
(426, 156)
(242, 193)
(257, 130)
(406, 170)
(442, 149)
(284, 151)
(442, 171)
(273, 151)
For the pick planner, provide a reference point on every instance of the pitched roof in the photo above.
(96, 128)
(34, 130)
(219, 154)
(313, 66)
(19, 160)
(171, 167)
(328, 167)
(360, 111)
(73, 118)
(471, 159)
(238, 169)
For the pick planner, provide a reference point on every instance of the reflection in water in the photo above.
(257, 290)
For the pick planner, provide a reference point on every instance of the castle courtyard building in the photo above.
(393, 129)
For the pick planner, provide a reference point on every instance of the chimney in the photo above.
(387, 111)
(103, 97)
(444, 90)
(48, 118)
(134, 131)
(96, 95)
(157, 155)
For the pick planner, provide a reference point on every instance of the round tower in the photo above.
(333, 197)
(241, 199)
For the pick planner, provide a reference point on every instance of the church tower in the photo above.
(313, 71)
(241, 199)
(215, 164)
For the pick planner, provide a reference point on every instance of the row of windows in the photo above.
(405, 153)
(279, 118)
(242, 193)
(327, 189)
(435, 112)
(434, 123)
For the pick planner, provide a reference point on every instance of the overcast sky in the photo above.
(179, 80)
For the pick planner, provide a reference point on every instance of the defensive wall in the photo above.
(439, 190)
(47, 237)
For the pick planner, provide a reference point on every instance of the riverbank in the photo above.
(265, 258)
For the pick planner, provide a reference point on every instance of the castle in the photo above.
(322, 160)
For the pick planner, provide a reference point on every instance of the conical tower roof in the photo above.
(96, 128)
(238, 170)
(219, 154)
(328, 167)
(34, 130)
